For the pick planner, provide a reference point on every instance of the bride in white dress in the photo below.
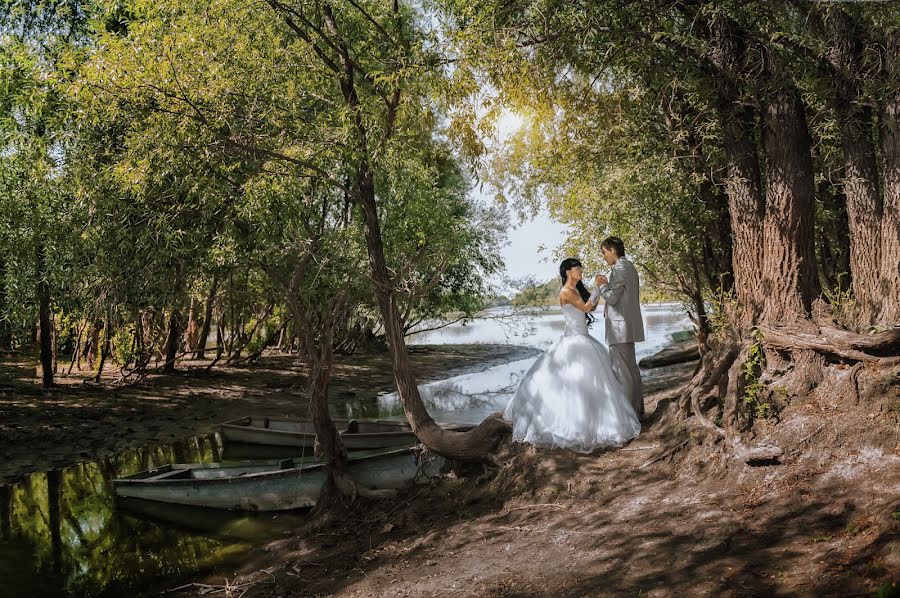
(570, 397)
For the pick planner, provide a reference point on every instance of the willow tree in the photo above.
(254, 90)
(37, 54)
(744, 71)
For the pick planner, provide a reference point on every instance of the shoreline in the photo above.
(77, 422)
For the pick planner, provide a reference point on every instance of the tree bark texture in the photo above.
(890, 155)
(743, 182)
(790, 279)
(173, 341)
(861, 186)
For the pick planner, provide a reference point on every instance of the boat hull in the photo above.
(262, 488)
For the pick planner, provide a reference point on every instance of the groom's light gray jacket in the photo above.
(622, 312)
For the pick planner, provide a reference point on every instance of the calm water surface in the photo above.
(62, 533)
(471, 397)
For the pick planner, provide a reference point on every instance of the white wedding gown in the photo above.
(570, 397)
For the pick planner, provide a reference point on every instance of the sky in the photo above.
(529, 252)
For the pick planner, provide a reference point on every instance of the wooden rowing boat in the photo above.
(289, 484)
(356, 434)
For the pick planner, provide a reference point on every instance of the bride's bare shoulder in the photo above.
(566, 295)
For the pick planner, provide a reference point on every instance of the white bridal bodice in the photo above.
(576, 321)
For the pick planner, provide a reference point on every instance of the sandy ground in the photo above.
(639, 521)
(78, 421)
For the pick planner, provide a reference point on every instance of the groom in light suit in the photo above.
(624, 325)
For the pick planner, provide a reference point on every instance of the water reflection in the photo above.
(64, 534)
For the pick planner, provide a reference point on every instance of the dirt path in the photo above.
(76, 422)
(824, 522)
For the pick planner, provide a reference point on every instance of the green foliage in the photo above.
(538, 295)
(842, 303)
(757, 396)
(123, 344)
(888, 589)
(152, 147)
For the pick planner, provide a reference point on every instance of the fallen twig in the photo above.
(537, 506)
(662, 456)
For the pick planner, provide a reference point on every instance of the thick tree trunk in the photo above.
(207, 319)
(173, 341)
(717, 246)
(861, 188)
(890, 155)
(43, 293)
(790, 279)
(743, 183)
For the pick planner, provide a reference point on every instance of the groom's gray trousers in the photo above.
(625, 368)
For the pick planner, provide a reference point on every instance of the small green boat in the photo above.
(288, 484)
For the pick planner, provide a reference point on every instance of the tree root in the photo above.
(854, 380)
(474, 445)
(838, 343)
(663, 455)
(710, 381)
(757, 455)
(349, 488)
(722, 374)
(492, 466)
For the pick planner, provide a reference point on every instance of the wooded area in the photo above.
(182, 181)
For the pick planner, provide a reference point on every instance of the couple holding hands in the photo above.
(579, 394)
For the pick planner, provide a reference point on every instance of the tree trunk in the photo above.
(54, 338)
(790, 280)
(834, 239)
(329, 447)
(890, 155)
(6, 504)
(207, 319)
(93, 343)
(745, 198)
(46, 336)
(5, 331)
(192, 332)
(173, 341)
(76, 352)
(474, 445)
(864, 205)
(105, 349)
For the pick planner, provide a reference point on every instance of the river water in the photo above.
(62, 533)
(471, 397)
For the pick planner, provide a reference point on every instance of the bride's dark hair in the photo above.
(566, 265)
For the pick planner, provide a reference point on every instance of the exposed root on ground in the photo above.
(798, 359)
